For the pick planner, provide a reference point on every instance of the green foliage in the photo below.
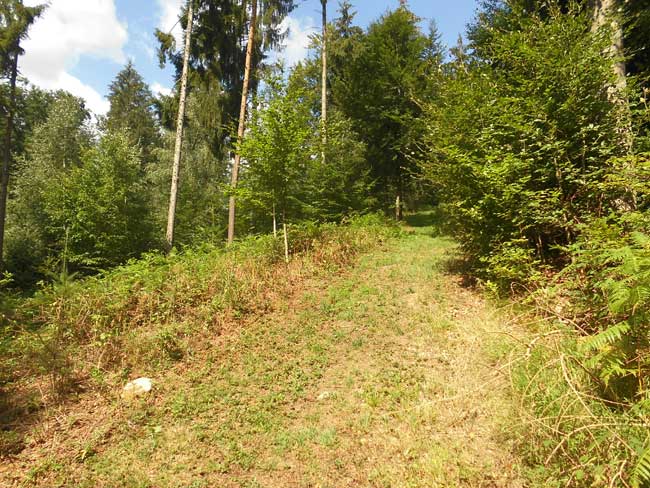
(524, 140)
(610, 280)
(199, 215)
(92, 201)
(641, 473)
(384, 72)
(102, 206)
(218, 51)
(283, 167)
(15, 20)
(571, 437)
(276, 150)
(131, 110)
(54, 147)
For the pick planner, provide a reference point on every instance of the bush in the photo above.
(524, 141)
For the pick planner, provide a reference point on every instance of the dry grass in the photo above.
(388, 374)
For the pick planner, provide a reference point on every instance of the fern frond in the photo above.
(640, 239)
(607, 337)
(641, 472)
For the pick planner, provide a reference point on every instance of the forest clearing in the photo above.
(386, 373)
(268, 243)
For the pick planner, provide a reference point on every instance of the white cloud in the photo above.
(145, 43)
(159, 89)
(67, 30)
(168, 20)
(296, 45)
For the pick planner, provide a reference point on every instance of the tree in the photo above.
(199, 212)
(242, 121)
(54, 147)
(284, 175)
(388, 73)
(179, 128)
(522, 141)
(15, 20)
(131, 110)
(100, 210)
(324, 79)
(277, 151)
(218, 53)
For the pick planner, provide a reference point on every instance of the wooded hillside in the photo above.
(529, 141)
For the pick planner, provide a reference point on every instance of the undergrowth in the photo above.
(570, 435)
(585, 382)
(96, 332)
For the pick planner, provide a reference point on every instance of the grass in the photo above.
(378, 371)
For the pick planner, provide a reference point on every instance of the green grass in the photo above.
(355, 374)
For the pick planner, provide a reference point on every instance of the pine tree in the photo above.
(131, 110)
(390, 69)
(15, 20)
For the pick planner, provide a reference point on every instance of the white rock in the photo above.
(138, 387)
(324, 396)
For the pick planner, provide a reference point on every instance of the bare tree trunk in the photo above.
(286, 243)
(324, 82)
(242, 120)
(606, 16)
(171, 216)
(6, 160)
(275, 223)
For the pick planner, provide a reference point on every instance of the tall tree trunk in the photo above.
(606, 16)
(242, 120)
(6, 160)
(324, 81)
(171, 216)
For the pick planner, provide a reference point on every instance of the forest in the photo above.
(150, 241)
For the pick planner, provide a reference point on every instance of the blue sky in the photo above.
(80, 45)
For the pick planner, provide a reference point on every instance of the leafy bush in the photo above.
(523, 141)
(101, 210)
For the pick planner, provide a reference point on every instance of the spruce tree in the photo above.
(15, 20)
(131, 110)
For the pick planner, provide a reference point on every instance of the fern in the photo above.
(641, 473)
(640, 239)
(605, 338)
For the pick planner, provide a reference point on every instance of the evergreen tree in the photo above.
(15, 20)
(379, 91)
(132, 110)
(218, 52)
(55, 147)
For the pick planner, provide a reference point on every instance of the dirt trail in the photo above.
(389, 375)
(418, 398)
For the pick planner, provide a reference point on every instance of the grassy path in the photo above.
(385, 376)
